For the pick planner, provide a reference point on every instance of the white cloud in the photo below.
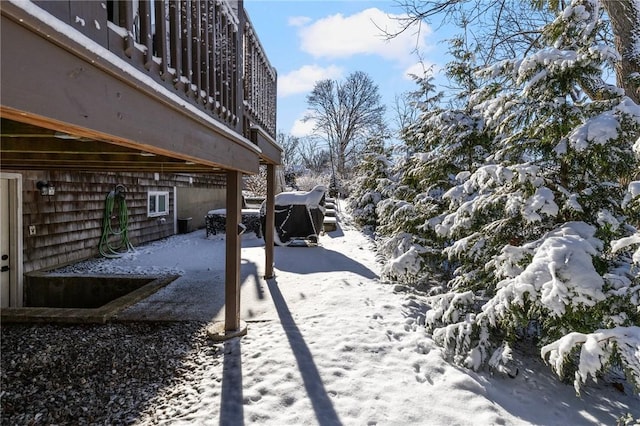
(339, 36)
(302, 128)
(419, 69)
(303, 79)
(299, 21)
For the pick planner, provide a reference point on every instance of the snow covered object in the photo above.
(545, 232)
(298, 215)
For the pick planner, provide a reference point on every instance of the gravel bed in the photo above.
(107, 374)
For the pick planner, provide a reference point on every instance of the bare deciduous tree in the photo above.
(504, 28)
(409, 105)
(290, 148)
(404, 112)
(345, 113)
(314, 157)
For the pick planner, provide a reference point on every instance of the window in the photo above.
(158, 203)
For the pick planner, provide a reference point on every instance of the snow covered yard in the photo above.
(327, 344)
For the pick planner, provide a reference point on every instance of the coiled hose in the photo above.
(108, 246)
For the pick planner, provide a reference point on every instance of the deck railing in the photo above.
(259, 83)
(205, 50)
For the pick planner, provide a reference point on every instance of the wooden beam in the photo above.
(269, 222)
(49, 144)
(232, 258)
(24, 146)
(271, 151)
(109, 166)
(75, 157)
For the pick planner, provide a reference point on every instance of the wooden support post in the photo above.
(269, 221)
(232, 258)
(232, 326)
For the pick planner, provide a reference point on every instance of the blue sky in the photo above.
(311, 40)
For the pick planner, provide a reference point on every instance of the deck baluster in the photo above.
(146, 33)
(161, 40)
(224, 55)
(176, 50)
(196, 50)
(186, 34)
(218, 59)
(203, 46)
(128, 24)
(238, 89)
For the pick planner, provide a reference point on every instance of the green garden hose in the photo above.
(109, 247)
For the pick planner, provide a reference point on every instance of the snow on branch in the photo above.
(633, 193)
(606, 126)
(497, 185)
(406, 266)
(597, 350)
(448, 308)
(560, 274)
(623, 243)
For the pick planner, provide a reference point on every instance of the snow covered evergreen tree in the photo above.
(443, 143)
(401, 245)
(543, 231)
(365, 194)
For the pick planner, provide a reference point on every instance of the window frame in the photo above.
(155, 196)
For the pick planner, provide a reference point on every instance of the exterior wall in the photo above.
(68, 225)
(195, 202)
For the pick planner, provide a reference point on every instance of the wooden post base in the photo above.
(217, 332)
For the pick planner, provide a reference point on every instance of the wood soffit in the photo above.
(26, 146)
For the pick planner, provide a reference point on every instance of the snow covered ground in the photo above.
(329, 344)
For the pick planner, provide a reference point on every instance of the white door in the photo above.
(5, 274)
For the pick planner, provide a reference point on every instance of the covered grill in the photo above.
(299, 215)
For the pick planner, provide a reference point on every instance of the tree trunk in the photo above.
(625, 22)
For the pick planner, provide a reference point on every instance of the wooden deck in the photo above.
(134, 86)
(106, 87)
